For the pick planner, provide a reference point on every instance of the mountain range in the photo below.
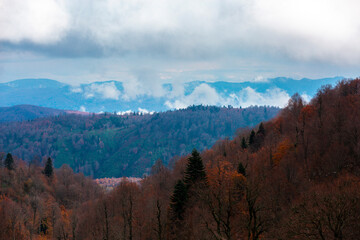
(30, 112)
(111, 96)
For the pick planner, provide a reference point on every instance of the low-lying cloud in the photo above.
(202, 94)
(206, 95)
(106, 90)
(144, 82)
(250, 97)
(178, 96)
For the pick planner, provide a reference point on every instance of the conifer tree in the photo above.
(178, 200)
(49, 170)
(252, 138)
(243, 143)
(195, 171)
(261, 129)
(9, 162)
(241, 169)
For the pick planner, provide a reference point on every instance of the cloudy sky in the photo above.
(143, 42)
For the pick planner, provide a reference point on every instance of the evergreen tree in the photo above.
(178, 200)
(252, 138)
(261, 129)
(195, 171)
(49, 170)
(9, 162)
(243, 143)
(241, 169)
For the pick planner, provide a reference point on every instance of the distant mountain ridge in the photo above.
(30, 112)
(113, 96)
(26, 112)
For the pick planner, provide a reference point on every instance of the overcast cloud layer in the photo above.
(146, 43)
(304, 30)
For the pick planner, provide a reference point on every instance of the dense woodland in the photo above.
(109, 145)
(27, 112)
(294, 177)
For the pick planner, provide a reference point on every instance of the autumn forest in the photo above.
(296, 176)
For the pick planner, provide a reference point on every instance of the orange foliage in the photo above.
(308, 111)
(278, 122)
(282, 150)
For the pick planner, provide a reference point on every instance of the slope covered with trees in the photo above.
(26, 112)
(41, 203)
(294, 177)
(125, 145)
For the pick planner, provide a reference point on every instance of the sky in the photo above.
(145, 43)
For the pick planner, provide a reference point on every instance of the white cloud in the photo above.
(306, 97)
(106, 90)
(202, 94)
(132, 89)
(260, 78)
(206, 95)
(178, 89)
(124, 112)
(323, 30)
(145, 111)
(181, 40)
(145, 82)
(249, 96)
(140, 111)
(76, 90)
(82, 109)
(38, 21)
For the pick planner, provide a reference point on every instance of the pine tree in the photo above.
(195, 171)
(261, 129)
(252, 138)
(178, 200)
(9, 162)
(49, 170)
(241, 169)
(243, 143)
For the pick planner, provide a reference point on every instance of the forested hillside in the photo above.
(30, 112)
(26, 112)
(125, 145)
(294, 177)
(35, 205)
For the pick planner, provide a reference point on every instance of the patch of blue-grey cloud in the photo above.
(71, 46)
